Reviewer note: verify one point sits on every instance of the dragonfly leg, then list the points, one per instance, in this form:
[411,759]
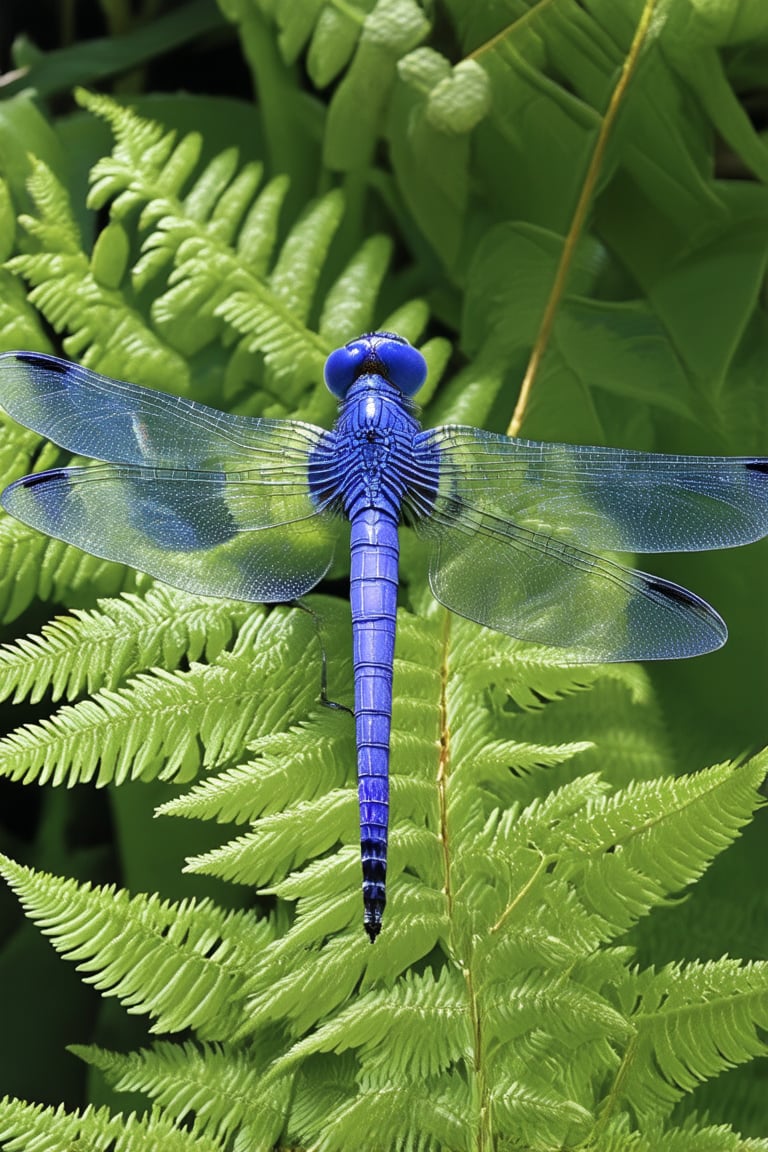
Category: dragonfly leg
[317,619]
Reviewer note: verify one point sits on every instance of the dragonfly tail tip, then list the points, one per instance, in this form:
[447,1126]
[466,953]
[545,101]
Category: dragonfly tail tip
[372,922]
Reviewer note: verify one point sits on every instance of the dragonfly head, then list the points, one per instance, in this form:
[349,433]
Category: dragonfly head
[376,354]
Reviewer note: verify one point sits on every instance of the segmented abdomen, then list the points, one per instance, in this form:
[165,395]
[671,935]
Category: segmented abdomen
[373,597]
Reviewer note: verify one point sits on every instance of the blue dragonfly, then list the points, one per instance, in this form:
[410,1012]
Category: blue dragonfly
[251,509]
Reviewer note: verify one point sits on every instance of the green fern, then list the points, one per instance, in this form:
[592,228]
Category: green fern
[100,648]
[514,906]
[215,244]
[223,1088]
[220,240]
[73,295]
[166,724]
[55,1130]
[690,1137]
[692,1021]
[181,963]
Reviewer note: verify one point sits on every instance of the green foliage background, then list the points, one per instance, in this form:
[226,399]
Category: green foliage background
[573,190]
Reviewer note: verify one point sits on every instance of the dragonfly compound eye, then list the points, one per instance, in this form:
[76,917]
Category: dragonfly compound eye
[344,366]
[400,363]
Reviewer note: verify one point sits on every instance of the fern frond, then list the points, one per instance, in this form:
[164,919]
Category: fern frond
[543,1119]
[333,978]
[215,240]
[657,836]
[148,170]
[31,1126]
[271,316]
[304,763]
[692,1136]
[692,1021]
[539,872]
[225,1089]
[329,975]
[414,1029]
[326,888]
[181,963]
[20,325]
[522,1009]
[327,901]
[94,649]
[105,330]
[7,221]
[220,235]
[280,841]
[561,1007]
[349,304]
[503,891]
[385,1114]
[166,724]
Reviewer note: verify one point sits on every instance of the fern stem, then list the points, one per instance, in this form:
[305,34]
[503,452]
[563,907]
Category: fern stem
[483,1135]
[609,1104]
[526,888]
[444,765]
[579,218]
[515,25]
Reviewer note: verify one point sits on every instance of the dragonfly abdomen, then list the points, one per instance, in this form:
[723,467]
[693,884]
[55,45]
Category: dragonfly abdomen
[373,598]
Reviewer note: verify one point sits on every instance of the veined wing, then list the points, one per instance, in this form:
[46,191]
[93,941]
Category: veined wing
[110,420]
[215,504]
[546,591]
[215,534]
[604,498]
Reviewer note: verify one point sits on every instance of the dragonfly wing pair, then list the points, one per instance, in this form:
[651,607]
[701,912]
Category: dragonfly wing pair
[514,523]
[212,503]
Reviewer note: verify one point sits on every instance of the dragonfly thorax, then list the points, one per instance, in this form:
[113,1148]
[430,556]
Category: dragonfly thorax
[373,446]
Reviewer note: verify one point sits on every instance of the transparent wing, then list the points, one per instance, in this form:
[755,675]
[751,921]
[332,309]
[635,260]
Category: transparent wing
[216,504]
[107,419]
[213,534]
[604,498]
[545,591]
